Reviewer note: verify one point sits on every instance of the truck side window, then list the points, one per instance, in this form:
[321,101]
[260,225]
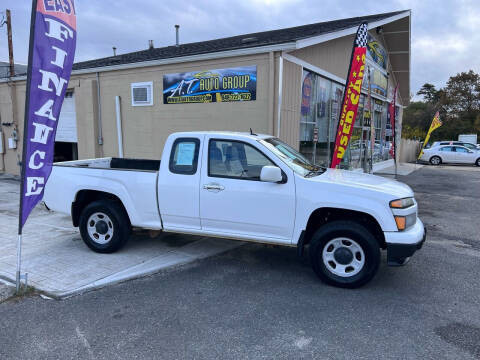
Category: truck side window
[184,156]
[235,159]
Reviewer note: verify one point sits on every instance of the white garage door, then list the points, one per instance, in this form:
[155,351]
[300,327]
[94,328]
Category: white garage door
[67,122]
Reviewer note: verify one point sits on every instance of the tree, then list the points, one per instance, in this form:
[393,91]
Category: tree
[429,93]
[463,93]
[458,103]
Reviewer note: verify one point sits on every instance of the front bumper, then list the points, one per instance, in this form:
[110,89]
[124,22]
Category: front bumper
[402,245]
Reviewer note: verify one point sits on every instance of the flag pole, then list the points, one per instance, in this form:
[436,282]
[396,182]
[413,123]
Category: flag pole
[372,120]
[24,153]
[395,142]
[394,129]
[357,58]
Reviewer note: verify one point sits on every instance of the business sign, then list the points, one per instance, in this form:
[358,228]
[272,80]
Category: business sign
[376,52]
[378,80]
[52,49]
[351,98]
[218,85]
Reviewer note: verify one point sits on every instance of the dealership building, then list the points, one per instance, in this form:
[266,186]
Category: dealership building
[287,82]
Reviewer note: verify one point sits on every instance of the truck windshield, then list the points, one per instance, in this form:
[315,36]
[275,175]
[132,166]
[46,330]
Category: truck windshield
[294,160]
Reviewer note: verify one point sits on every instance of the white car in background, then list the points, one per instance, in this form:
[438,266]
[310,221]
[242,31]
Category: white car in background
[469,146]
[456,154]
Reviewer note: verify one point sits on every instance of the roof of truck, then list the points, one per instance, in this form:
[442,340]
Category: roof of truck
[254,136]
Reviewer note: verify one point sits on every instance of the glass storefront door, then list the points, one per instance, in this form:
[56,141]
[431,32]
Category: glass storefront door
[320,109]
[315,118]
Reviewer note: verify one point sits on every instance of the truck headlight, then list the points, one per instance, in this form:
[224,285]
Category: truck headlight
[402,203]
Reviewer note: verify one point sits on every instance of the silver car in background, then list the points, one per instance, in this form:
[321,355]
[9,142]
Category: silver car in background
[451,154]
[469,146]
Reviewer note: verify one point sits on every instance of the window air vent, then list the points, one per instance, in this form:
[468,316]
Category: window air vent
[142,94]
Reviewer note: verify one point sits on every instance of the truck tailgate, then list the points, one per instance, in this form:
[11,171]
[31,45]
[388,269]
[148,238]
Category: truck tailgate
[136,189]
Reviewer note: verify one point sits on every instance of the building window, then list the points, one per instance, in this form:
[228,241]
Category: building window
[142,94]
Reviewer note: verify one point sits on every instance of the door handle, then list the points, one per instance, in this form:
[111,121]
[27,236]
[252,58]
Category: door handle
[213,187]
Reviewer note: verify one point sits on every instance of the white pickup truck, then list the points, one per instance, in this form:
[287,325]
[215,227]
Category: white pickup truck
[247,187]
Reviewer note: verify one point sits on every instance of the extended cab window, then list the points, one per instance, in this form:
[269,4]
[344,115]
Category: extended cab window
[184,156]
[234,159]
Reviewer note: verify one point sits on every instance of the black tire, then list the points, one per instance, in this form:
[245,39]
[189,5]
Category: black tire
[435,160]
[359,234]
[118,223]
[477,162]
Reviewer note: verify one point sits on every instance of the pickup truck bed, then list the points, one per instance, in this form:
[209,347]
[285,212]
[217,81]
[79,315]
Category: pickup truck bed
[133,181]
[115,163]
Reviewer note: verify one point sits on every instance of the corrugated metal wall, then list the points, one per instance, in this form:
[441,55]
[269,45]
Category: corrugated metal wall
[291,100]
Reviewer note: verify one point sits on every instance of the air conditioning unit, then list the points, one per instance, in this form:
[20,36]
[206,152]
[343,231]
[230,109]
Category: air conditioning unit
[142,93]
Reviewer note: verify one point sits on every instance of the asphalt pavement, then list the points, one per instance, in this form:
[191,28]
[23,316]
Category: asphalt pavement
[263,302]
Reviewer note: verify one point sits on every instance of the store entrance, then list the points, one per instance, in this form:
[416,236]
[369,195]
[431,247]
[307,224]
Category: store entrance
[320,110]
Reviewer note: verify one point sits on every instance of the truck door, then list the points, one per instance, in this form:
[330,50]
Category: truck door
[178,183]
[234,201]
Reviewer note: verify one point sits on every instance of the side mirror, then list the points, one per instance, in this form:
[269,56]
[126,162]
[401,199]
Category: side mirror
[271,174]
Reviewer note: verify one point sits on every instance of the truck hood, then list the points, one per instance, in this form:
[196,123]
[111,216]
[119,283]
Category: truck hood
[362,181]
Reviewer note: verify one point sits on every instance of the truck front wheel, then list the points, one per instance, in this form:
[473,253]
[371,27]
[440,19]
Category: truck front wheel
[104,226]
[344,254]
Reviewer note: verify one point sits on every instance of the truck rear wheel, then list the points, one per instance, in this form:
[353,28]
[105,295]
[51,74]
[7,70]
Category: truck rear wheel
[104,226]
[344,254]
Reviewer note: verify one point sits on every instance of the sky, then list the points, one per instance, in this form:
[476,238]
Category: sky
[445,33]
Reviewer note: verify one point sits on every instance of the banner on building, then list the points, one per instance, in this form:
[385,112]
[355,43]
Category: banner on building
[377,82]
[351,96]
[218,85]
[436,123]
[376,52]
[392,113]
[52,50]
[306,94]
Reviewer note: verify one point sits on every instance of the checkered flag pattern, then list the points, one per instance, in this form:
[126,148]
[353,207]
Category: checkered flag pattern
[362,33]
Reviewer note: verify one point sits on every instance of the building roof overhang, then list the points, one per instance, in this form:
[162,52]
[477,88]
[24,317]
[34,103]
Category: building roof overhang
[395,26]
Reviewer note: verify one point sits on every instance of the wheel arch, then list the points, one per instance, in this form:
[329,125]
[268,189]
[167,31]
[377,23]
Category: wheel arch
[87,196]
[325,215]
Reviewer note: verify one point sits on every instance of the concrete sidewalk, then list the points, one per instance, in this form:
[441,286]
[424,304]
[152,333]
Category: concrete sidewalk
[6,291]
[60,264]
[403,169]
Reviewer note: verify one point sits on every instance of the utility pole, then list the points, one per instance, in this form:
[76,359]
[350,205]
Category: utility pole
[10,43]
